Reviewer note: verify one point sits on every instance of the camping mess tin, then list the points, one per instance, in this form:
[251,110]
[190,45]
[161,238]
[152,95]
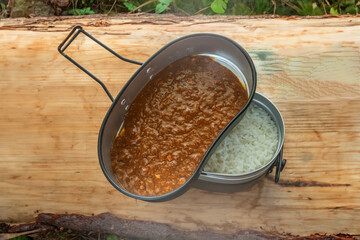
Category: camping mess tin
[224,51]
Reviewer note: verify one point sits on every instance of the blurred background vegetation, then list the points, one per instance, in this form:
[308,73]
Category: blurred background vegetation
[190,7]
[226,7]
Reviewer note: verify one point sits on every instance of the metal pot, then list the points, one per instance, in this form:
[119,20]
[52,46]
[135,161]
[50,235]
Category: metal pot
[238,182]
[224,50]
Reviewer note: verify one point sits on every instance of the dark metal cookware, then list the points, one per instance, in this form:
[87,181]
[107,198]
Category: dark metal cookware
[224,50]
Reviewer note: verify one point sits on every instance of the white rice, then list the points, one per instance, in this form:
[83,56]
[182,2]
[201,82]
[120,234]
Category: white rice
[249,146]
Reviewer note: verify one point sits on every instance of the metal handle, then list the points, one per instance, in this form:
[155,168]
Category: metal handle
[66,43]
[279,164]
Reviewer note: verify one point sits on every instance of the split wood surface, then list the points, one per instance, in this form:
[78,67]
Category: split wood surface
[51,112]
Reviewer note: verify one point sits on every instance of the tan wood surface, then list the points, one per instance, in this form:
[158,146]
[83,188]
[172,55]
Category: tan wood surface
[51,112]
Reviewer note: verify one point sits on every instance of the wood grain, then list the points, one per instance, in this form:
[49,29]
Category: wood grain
[51,112]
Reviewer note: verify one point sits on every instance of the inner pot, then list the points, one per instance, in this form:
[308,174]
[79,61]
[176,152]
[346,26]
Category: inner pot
[222,49]
[221,182]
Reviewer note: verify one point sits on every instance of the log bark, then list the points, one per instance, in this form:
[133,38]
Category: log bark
[137,229]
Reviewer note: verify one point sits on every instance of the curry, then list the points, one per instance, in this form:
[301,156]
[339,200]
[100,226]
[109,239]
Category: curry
[172,122]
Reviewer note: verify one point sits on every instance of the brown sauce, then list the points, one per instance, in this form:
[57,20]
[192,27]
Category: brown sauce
[172,122]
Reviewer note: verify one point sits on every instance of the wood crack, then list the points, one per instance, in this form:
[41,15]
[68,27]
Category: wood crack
[302,183]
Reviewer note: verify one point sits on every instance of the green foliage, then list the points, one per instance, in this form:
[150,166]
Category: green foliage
[334,11]
[241,9]
[83,11]
[249,7]
[112,237]
[352,9]
[262,7]
[219,6]
[192,7]
[84,2]
[348,6]
[308,8]
[211,7]
[129,6]
[2,10]
[162,6]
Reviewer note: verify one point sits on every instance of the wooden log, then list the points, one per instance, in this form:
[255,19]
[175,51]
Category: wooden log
[51,112]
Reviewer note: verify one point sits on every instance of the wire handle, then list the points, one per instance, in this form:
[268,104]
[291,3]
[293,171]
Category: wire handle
[66,43]
[279,164]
